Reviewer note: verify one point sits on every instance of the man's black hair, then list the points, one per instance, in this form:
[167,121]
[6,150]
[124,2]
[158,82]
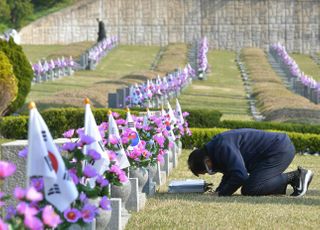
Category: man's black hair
[196,161]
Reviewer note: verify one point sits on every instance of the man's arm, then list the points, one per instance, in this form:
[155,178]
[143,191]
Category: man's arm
[233,165]
[223,181]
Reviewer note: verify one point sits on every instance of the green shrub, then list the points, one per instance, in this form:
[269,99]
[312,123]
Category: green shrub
[21,69]
[8,83]
[302,142]
[58,121]
[289,127]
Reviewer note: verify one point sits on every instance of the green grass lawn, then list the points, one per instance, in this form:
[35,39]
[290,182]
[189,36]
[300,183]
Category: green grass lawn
[36,52]
[307,65]
[203,211]
[108,76]
[223,90]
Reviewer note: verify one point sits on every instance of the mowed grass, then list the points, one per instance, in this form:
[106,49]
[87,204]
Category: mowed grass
[109,75]
[37,52]
[307,65]
[223,90]
[203,211]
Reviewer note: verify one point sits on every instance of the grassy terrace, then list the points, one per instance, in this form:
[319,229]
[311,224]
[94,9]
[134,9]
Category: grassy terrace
[307,65]
[110,74]
[275,101]
[36,52]
[223,90]
[202,211]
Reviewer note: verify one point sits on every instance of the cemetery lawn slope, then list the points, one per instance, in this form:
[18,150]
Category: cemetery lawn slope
[37,52]
[222,90]
[70,91]
[275,101]
[203,211]
[307,65]
[173,57]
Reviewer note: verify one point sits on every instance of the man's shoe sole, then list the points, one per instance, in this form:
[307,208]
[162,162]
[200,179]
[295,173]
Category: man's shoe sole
[308,180]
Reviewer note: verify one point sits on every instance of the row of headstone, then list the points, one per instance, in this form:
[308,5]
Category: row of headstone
[152,93]
[133,200]
[257,116]
[54,69]
[297,81]
[91,57]
[202,61]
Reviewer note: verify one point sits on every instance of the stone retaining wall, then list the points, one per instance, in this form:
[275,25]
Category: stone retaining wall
[228,24]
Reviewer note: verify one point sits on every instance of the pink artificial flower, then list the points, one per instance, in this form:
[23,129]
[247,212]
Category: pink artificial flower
[89,171]
[69,146]
[6,169]
[73,175]
[49,217]
[185,114]
[34,195]
[105,203]
[32,222]
[123,178]
[88,213]
[19,193]
[24,209]
[68,134]
[115,115]
[160,158]
[103,126]
[3,225]
[23,153]
[113,140]
[72,215]
[121,122]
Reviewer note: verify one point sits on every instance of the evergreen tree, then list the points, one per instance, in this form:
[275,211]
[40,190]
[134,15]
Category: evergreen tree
[20,9]
[4,11]
[21,69]
[8,83]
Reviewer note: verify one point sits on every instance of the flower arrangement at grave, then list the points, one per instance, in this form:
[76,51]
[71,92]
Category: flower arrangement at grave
[100,49]
[31,211]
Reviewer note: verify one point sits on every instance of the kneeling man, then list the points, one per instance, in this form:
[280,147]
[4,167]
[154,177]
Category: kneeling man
[252,159]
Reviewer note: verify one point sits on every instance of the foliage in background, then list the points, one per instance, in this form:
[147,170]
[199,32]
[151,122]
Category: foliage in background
[302,141]
[17,13]
[59,120]
[21,69]
[8,83]
[275,101]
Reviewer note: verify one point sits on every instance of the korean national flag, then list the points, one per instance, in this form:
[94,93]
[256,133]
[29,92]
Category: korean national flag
[44,159]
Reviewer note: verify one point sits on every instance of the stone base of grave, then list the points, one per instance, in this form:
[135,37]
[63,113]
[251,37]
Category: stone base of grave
[91,226]
[149,188]
[136,200]
[167,166]
[160,177]
[142,200]
[119,216]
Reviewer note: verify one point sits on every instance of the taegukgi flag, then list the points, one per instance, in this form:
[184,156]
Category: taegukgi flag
[179,115]
[134,136]
[44,159]
[91,129]
[172,117]
[113,132]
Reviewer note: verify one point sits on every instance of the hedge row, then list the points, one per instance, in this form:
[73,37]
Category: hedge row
[302,142]
[60,120]
[288,127]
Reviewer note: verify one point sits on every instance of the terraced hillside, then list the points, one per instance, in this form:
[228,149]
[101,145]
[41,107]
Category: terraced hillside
[222,90]
[275,101]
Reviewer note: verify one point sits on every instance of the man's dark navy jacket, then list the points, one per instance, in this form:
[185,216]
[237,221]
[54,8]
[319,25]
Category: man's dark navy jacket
[235,153]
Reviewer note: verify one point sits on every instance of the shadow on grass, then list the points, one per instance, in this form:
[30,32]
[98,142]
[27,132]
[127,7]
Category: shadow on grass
[311,199]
